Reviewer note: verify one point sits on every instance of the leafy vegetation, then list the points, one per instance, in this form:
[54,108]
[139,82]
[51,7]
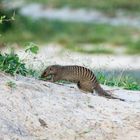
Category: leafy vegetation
[4,18]
[12,64]
[31,47]
[127,82]
[11,84]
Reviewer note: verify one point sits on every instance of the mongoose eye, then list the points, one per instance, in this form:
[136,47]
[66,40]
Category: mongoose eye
[45,73]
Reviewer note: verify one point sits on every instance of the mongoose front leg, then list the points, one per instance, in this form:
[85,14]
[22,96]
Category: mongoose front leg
[85,86]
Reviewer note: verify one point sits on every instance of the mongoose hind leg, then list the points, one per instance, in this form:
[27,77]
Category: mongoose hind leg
[85,86]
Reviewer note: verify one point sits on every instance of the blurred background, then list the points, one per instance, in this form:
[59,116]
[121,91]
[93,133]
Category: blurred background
[105,30]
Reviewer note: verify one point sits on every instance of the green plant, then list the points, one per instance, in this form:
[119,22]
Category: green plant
[11,84]
[12,64]
[5,19]
[32,47]
[127,82]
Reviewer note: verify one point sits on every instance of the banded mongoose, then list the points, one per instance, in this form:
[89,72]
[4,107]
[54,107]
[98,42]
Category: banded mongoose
[84,77]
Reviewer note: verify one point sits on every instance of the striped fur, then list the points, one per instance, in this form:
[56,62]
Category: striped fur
[84,77]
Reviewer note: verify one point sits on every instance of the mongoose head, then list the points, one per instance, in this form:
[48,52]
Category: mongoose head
[51,70]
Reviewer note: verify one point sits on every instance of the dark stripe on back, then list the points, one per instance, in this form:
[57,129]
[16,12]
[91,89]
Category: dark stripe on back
[82,69]
[94,80]
[79,72]
[90,74]
[75,70]
[86,72]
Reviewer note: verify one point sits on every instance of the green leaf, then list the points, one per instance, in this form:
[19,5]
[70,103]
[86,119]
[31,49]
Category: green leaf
[13,17]
[0,21]
[2,18]
[32,48]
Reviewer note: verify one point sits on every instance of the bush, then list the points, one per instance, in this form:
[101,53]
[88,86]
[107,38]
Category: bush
[12,64]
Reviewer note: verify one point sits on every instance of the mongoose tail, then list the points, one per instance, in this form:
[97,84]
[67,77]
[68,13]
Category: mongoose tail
[102,92]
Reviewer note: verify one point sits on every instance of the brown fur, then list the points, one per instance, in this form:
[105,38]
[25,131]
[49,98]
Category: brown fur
[84,77]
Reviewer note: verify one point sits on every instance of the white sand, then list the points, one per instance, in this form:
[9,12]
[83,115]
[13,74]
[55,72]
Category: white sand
[68,113]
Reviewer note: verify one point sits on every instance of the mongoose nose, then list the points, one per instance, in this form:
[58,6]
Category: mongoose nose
[42,75]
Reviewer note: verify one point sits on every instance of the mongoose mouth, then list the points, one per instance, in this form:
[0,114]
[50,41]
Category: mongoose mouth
[44,74]
[49,77]
[42,77]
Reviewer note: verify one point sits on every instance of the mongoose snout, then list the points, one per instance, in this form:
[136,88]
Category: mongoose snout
[51,70]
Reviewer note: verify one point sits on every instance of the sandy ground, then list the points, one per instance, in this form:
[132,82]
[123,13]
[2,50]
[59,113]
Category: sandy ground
[65,112]
[38,110]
